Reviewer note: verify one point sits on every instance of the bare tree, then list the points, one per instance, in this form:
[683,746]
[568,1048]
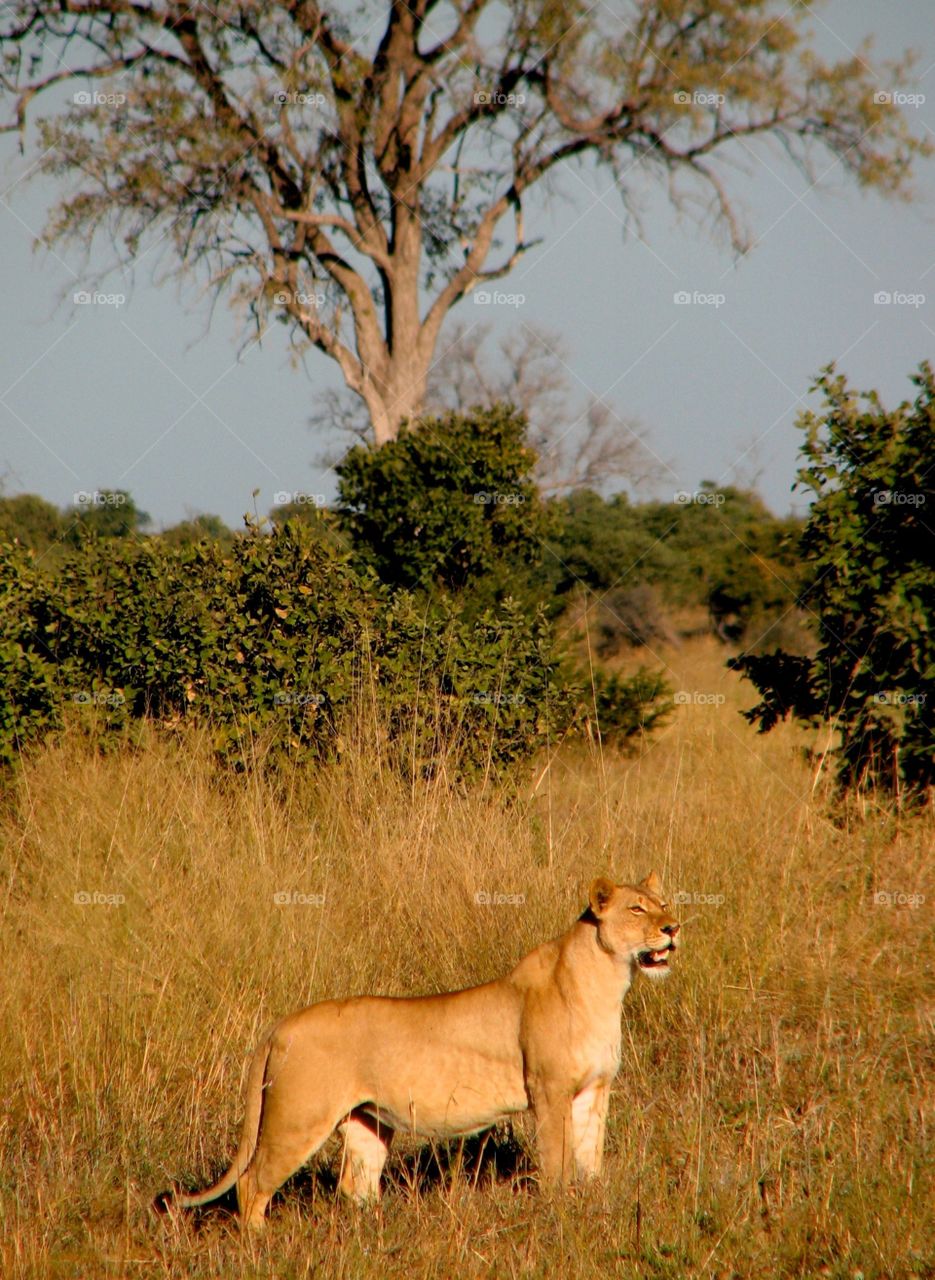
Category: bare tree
[581,441]
[355,171]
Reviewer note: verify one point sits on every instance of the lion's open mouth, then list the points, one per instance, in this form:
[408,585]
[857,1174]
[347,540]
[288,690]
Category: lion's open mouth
[654,959]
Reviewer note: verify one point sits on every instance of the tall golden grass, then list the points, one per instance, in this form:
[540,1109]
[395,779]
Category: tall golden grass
[770,1115]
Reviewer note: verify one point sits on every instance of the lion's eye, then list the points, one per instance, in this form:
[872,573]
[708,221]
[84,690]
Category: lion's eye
[639,910]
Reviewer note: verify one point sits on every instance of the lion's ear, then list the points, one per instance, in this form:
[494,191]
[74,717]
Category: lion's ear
[600,894]
[653,884]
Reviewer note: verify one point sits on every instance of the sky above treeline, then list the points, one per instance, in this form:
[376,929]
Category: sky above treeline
[153,395]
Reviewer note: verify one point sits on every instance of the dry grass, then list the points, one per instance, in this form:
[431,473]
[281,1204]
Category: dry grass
[770,1116]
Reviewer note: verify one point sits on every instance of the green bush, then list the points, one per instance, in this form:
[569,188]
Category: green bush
[275,641]
[451,503]
[625,707]
[718,549]
[197,529]
[29,519]
[282,647]
[30,693]
[870,547]
[104,513]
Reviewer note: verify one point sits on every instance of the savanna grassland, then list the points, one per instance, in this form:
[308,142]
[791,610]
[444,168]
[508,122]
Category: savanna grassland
[771,1114]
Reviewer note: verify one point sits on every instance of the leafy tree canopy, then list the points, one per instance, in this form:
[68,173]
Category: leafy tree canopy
[357,170]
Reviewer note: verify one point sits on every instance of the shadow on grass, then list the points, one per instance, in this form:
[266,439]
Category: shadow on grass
[486,1158]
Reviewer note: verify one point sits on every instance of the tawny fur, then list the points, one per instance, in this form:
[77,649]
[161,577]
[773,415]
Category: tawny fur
[545,1036]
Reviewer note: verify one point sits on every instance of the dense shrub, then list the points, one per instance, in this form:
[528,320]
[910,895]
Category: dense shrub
[276,642]
[601,542]
[721,550]
[30,691]
[104,513]
[197,529]
[870,545]
[29,519]
[622,706]
[450,503]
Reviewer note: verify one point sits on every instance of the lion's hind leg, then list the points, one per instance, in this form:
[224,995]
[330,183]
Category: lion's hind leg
[366,1146]
[277,1158]
[302,1106]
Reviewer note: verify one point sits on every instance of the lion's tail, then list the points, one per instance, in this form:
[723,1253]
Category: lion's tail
[248,1138]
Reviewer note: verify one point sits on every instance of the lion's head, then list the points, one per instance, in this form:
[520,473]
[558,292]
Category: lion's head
[634,922]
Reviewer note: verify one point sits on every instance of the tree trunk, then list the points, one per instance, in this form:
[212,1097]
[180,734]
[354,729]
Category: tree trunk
[397,391]
[396,397]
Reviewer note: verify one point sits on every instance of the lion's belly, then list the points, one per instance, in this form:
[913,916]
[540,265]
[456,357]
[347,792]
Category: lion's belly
[446,1081]
[447,1094]
[431,1066]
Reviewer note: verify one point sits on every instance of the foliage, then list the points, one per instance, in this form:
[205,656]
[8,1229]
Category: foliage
[195,529]
[624,706]
[718,548]
[30,694]
[274,641]
[30,520]
[102,513]
[322,522]
[105,513]
[450,503]
[871,550]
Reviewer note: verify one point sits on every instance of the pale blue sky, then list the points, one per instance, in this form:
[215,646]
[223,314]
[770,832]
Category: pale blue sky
[145,397]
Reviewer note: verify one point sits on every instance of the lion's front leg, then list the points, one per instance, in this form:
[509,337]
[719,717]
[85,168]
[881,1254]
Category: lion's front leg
[589,1122]
[554,1135]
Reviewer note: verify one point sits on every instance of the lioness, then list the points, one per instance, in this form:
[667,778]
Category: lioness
[545,1036]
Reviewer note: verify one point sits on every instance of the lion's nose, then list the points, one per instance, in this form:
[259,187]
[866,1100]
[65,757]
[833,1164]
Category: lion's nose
[671,929]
